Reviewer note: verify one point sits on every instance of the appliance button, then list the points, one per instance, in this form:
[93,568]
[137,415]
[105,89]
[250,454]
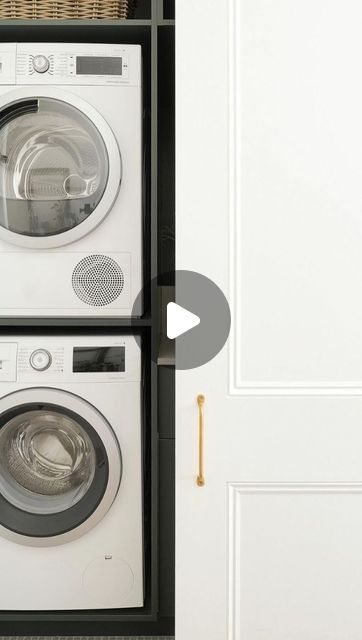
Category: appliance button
[40,359]
[41,64]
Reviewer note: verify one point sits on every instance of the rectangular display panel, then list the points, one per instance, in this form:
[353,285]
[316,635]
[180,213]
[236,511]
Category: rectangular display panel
[98,359]
[99,66]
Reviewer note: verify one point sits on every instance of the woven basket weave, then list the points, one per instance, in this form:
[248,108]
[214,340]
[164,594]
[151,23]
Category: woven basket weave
[66,9]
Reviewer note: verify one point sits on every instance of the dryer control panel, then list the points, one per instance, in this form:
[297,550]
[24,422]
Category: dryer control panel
[67,64]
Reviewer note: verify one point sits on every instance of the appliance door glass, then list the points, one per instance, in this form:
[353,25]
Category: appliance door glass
[54,470]
[53,167]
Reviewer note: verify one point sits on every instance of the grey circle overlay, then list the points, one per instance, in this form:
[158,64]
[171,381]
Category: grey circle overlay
[200,295]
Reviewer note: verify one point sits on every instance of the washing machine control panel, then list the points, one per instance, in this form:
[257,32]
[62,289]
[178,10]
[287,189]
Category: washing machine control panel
[73,359]
[59,360]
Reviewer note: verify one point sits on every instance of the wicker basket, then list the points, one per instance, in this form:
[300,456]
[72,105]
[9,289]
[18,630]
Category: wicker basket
[66,9]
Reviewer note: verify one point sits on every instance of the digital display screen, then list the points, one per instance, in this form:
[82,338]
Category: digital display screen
[98,359]
[99,66]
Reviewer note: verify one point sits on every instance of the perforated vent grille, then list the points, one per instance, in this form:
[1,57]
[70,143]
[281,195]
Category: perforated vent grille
[97,280]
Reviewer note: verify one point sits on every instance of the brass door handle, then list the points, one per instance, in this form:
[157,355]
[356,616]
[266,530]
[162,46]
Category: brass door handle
[201,477]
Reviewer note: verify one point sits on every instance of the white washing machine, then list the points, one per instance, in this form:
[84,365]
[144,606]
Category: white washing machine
[70,179]
[70,473]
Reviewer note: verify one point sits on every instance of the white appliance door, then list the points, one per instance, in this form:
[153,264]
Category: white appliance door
[60,168]
[269,206]
[60,466]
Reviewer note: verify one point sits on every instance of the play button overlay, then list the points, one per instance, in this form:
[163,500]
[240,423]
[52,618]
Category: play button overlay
[194,318]
[203,299]
[179,320]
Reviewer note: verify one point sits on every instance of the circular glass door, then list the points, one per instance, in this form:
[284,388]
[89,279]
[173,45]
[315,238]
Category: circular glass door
[47,461]
[54,171]
[54,469]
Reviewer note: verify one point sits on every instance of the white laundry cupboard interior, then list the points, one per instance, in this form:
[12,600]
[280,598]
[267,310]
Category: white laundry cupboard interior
[53,328]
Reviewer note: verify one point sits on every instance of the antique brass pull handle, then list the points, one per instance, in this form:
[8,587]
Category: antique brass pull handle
[201,476]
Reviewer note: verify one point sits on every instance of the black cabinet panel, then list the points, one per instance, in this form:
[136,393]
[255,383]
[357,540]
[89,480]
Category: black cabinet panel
[168,9]
[166,402]
[167,527]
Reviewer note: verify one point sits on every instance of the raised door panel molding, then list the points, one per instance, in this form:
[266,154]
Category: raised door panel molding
[294,555]
[295,161]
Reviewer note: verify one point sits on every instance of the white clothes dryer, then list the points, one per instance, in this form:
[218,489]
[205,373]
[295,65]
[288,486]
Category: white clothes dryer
[71,515]
[70,179]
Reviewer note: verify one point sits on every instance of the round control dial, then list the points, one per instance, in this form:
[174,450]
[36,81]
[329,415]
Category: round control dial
[40,359]
[41,64]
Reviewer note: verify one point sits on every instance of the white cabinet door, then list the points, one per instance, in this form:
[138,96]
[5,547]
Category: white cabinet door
[269,206]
